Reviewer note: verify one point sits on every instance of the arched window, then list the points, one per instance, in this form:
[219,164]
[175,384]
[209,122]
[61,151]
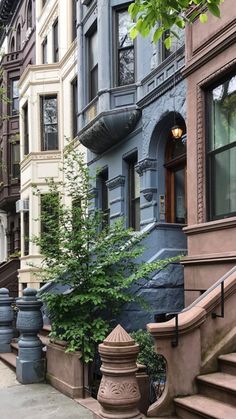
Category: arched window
[175,164]
[12,46]
[29,15]
[18,38]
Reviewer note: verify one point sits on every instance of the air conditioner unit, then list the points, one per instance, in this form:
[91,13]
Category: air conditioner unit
[22,205]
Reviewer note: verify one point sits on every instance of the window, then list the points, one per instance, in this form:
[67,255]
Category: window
[49,123]
[221,150]
[74,19]
[14,96]
[93,64]
[44,51]
[29,15]
[18,38]
[104,203]
[26,129]
[175,44]
[175,164]
[15,160]
[26,232]
[74,107]
[12,46]
[133,194]
[125,49]
[55,42]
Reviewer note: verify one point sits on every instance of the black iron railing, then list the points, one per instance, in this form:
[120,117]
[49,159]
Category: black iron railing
[220,283]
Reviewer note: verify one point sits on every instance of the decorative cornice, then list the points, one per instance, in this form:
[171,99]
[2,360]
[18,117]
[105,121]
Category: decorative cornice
[145,164]
[204,58]
[115,182]
[162,89]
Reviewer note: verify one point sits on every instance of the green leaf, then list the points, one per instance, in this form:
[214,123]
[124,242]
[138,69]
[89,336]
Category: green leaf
[133,33]
[214,9]
[157,35]
[168,42]
[203,18]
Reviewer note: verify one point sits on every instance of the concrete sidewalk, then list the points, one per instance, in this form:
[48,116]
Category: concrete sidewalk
[35,401]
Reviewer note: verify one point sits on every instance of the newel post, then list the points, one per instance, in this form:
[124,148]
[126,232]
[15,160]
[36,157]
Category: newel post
[6,319]
[118,393]
[30,366]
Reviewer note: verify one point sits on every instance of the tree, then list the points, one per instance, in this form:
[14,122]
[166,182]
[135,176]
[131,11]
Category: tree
[97,265]
[160,16]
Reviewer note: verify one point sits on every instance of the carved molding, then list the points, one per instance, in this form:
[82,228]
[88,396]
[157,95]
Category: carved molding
[123,390]
[115,182]
[145,164]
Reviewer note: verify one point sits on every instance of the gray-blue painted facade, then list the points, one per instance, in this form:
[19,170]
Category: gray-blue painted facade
[148,106]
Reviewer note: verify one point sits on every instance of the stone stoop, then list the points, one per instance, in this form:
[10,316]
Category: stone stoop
[217,394]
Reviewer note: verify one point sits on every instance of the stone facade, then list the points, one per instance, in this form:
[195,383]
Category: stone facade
[158,94]
[53,75]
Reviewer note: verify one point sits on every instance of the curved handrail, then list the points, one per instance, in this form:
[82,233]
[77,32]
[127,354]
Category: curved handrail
[218,283]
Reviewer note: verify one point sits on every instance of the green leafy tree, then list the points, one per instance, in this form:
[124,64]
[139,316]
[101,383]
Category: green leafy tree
[97,265]
[160,16]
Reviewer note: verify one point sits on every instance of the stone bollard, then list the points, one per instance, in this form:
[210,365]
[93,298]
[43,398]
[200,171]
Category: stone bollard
[30,366]
[6,319]
[118,393]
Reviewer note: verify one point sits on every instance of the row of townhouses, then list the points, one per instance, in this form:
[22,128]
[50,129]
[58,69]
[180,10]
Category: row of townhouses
[71,71]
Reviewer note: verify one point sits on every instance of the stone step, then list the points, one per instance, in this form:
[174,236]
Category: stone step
[219,386]
[228,363]
[198,406]
[14,346]
[9,359]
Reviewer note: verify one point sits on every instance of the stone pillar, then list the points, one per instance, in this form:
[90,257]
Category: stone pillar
[147,171]
[6,319]
[118,393]
[30,366]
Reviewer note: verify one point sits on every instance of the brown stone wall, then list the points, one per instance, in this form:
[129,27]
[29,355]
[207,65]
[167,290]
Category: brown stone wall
[210,55]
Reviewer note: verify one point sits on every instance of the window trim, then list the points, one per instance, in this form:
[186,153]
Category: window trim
[89,36]
[209,169]
[42,125]
[45,49]
[13,111]
[25,110]
[131,161]
[55,34]
[116,10]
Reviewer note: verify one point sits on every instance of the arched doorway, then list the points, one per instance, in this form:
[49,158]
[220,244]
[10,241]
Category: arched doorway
[176,175]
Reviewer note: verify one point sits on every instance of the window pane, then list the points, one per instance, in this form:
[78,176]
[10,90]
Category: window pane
[49,123]
[224,182]
[126,66]
[50,110]
[180,210]
[223,129]
[93,50]
[124,22]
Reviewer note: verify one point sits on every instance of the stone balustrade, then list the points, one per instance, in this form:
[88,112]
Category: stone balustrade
[30,365]
[6,319]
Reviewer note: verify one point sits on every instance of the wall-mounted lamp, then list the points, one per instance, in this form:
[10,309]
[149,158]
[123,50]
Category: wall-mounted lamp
[177,132]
